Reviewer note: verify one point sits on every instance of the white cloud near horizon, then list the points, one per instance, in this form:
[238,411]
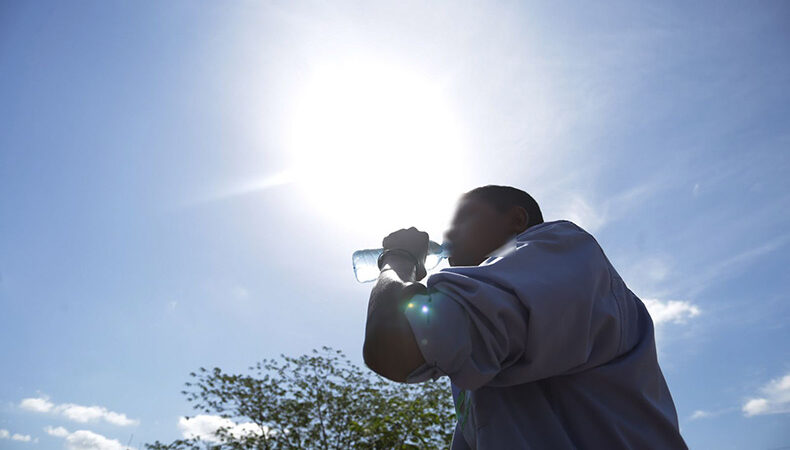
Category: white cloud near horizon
[37,404]
[56,431]
[205,426]
[85,440]
[674,311]
[77,413]
[774,398]
[5,434]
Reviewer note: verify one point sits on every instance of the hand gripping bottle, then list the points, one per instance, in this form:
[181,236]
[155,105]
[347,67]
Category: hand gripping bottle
[366,267]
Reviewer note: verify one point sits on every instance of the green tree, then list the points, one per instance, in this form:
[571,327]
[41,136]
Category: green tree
[318,401]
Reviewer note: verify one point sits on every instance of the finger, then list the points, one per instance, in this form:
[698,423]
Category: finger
[390,237]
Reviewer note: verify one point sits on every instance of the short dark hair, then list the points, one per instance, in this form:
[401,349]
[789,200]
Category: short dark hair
[505,197]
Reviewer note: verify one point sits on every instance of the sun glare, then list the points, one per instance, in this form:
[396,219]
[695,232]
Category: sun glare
[375,146]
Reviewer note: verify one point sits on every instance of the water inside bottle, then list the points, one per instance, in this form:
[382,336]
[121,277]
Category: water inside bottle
[365,262]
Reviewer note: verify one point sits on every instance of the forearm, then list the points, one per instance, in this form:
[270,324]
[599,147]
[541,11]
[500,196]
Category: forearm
[398,273]
[390,348]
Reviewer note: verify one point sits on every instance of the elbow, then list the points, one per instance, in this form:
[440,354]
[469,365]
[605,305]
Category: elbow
[390,349]
[372,355]
[368,356]
[380,358]
[392,357]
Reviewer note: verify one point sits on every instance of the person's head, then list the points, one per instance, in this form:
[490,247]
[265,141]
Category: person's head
[486,218]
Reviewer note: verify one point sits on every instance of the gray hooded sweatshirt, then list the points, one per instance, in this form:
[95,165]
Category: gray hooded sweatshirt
[546,348]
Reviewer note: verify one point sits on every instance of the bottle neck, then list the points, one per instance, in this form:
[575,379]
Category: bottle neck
[444,249]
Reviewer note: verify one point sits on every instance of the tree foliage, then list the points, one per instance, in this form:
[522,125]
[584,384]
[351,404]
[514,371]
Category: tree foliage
[317,401]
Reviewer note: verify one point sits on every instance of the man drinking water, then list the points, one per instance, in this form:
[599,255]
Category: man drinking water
[544,344]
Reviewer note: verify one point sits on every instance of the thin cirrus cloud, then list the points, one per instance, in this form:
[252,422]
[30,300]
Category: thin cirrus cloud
[702,414]
[77,413]
[594,215]
[247,187]
[85,440]
[774,398]
[5,434]
[735,264]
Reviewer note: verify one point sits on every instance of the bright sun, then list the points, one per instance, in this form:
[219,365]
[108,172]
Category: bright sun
[363,132]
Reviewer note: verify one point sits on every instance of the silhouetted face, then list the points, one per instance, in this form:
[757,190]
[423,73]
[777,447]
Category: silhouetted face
[476,231]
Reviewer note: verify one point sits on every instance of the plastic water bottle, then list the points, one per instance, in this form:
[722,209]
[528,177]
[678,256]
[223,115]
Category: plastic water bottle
[366,267]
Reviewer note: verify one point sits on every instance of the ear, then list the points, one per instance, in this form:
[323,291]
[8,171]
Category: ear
[519,219]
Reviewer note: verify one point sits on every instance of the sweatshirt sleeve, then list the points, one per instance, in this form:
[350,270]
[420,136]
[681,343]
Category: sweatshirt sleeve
[546,309]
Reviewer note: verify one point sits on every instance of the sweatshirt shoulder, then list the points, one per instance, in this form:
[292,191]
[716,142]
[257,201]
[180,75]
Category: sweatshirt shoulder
[559,232]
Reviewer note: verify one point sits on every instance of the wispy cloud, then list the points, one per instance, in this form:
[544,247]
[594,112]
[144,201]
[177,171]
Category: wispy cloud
[205,427]
[674,311]
[702,414]
[593,215]
[736,263]
[774,398]
[77,413]
[85,440]
[648,274]
[579,211]
[5,434]
[240,292]
[248,187]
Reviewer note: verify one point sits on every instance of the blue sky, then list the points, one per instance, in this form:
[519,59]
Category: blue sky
[182,185]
